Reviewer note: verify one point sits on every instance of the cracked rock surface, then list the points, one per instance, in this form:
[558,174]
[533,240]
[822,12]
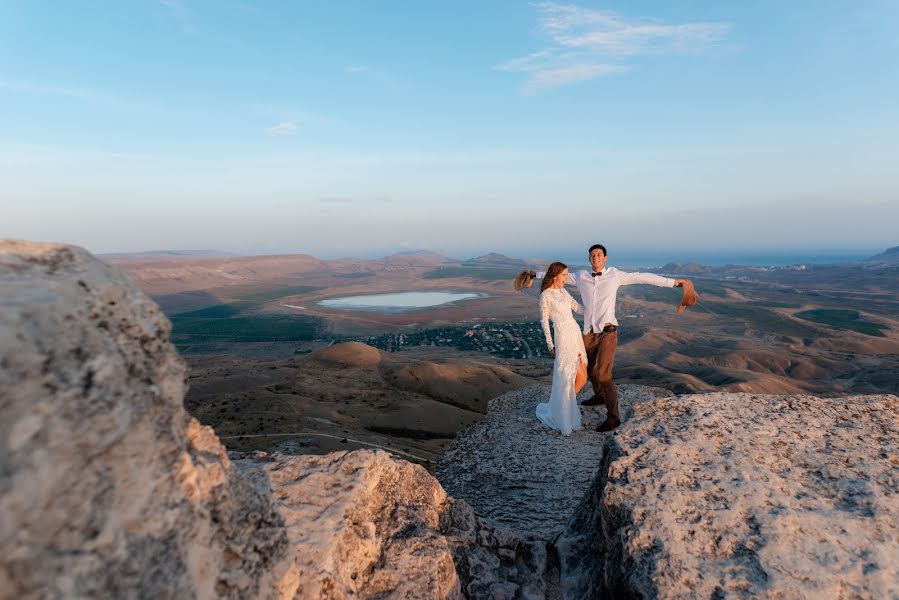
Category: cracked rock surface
[743,496]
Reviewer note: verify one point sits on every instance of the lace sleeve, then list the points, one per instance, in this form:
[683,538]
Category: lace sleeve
[544,319]
[575,306]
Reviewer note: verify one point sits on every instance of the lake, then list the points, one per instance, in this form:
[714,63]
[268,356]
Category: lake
[397,302]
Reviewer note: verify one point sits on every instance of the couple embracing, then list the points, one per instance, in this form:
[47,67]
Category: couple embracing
[580,356]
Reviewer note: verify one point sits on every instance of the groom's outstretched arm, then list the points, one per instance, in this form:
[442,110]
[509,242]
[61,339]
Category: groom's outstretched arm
[572,280]
[688,298]
[648,279]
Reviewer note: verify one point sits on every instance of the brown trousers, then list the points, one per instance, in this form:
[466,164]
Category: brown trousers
[600,349]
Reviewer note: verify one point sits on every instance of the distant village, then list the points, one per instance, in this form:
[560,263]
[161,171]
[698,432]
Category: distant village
[508,340]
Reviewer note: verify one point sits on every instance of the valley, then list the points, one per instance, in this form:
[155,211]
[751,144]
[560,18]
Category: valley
[273,367]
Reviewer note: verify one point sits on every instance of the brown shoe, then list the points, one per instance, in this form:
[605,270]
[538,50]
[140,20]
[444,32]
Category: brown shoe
[608,425]
[594,401]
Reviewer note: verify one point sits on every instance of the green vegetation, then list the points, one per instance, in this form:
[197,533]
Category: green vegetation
[226,323]
[760,318]
[239,322]
[508,340]
[219,311]
[652,293]
[263,296]
[843,319]
[479,273]
[776,304]
[707,288]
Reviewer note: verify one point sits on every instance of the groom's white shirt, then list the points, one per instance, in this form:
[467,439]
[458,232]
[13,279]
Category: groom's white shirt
[598,294]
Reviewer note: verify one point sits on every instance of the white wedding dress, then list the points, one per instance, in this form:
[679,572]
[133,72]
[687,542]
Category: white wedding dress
[562,411]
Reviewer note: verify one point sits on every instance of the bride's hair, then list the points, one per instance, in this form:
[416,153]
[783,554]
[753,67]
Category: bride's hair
[523,280]
[551,273]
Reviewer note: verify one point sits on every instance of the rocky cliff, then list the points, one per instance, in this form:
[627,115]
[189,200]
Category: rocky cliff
[743,496]
[696,496]
[364,524]
[108,488]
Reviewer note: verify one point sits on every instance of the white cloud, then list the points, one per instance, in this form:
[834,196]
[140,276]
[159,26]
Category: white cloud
[286,128]
[550,77]
[588,43]
[355,69]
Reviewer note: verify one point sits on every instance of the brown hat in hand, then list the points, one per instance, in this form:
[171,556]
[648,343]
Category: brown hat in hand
[689,297]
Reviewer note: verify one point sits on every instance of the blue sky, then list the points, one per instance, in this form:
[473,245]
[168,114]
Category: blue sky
[361,128]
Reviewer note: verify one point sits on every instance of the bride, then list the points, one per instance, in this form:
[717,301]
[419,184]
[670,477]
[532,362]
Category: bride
[570,366]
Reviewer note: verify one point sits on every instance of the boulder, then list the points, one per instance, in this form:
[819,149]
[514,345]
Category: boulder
[365,524]
[108,488]
[742,496]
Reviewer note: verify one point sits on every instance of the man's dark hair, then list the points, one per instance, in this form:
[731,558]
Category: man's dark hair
[597,247]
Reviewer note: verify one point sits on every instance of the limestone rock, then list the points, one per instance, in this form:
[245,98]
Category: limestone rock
[367,525]
[108,488]
[702,496]
[742,496]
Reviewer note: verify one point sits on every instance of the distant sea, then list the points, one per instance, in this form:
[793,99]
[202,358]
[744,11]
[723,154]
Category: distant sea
[626,260]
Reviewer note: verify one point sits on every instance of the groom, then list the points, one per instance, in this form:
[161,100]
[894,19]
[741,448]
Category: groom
[599,291]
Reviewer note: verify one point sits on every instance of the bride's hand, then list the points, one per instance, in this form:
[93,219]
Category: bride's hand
[552,351]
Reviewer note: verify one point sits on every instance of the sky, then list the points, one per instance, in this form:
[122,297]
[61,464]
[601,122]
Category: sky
[361,128]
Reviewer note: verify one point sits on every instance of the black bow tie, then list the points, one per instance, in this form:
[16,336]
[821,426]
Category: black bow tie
[597,274]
